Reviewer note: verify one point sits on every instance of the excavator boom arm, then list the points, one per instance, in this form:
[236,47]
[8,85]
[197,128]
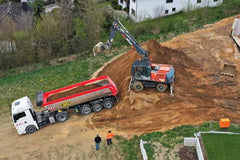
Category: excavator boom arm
[117,26]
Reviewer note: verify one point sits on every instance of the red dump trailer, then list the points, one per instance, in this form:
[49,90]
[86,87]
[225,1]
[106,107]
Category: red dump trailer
[84,97]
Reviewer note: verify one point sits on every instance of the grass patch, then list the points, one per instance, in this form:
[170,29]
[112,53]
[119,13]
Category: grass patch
[168,139]
[222,146]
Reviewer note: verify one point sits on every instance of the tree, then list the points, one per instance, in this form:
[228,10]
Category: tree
[7,30]
[65,18]
[48,37]
[2,1]
[91,19]
[38,8]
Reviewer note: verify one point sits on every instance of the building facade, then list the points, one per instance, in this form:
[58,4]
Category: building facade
[140,10]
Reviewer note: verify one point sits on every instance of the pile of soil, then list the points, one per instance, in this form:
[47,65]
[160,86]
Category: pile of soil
[76,90]
[201,93]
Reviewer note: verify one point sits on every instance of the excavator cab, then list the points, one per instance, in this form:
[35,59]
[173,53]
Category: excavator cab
[141,70]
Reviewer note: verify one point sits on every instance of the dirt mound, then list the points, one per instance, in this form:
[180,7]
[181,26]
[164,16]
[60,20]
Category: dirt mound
[201,93]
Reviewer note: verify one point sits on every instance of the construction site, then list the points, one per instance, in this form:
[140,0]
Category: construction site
[201,91]
[206,87]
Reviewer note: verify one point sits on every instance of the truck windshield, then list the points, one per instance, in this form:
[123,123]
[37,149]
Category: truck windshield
[18,116]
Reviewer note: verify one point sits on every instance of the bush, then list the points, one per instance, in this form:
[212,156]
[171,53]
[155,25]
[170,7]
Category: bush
[114,4]
[107,22]
[125,9]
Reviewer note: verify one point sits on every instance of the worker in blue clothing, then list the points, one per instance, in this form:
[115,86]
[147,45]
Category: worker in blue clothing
[97,141]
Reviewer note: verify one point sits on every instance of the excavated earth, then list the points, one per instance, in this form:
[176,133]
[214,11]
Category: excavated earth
[200,94]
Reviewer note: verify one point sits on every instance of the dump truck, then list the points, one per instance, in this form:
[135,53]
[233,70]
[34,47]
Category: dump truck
[84,97]
[144,72]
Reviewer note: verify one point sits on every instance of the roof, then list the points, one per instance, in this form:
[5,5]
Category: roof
[141,63]
[20,105]
[22,19]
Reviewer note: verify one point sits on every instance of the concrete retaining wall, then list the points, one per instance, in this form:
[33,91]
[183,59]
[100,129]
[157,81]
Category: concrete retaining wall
[194,142]
[143,151]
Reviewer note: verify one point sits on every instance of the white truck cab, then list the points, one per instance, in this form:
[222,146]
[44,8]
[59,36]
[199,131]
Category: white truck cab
[24,116]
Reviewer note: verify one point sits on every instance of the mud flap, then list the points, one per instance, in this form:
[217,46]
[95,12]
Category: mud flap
[229,70]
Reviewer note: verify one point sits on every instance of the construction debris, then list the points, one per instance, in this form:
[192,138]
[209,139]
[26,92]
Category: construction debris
[229,70]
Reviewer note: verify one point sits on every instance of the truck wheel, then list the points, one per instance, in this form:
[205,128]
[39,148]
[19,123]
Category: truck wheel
[138,86]
[108,103]
[161,87]
[62,116]
[31,129]
[97,107]
[85,109]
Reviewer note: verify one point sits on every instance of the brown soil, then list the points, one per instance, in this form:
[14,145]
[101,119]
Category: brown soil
[73,91]
[201,94]
[188,153]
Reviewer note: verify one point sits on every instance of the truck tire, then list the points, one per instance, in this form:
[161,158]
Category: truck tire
[97,107]
[31,129]
[161,87]
[85,109]
[62,116]
[108,103]
[138,86]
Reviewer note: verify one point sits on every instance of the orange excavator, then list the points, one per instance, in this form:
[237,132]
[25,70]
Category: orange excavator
[144,72]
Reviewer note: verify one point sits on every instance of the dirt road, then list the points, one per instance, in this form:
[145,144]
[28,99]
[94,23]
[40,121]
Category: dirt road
[200,94]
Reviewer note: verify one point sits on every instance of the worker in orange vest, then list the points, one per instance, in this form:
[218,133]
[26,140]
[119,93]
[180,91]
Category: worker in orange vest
[109,137]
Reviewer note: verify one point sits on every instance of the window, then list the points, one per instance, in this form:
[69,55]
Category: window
[121,1]
[199,1]
[169,1]
[215,0]
[173,9]
[133,12]
[17,103]
[18,116]
[166,11]
[134,1]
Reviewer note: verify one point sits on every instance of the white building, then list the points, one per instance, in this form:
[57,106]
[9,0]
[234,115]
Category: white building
[140,10]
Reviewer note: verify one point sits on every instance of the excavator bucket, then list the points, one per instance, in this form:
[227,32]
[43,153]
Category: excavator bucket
[98,48]
[229,70]
[236,31]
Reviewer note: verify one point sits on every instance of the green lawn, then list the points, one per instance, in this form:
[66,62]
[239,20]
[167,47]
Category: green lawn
[222,146]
